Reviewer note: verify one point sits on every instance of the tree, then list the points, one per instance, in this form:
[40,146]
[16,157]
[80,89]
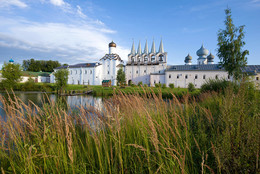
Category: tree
[61,78]
[191,87]
[120,77]
[230,43]
[40,65]
[11,72]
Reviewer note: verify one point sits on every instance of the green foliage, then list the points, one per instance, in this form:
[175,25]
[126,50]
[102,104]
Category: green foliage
[158,85]
[40,65]
[133,85]
[145,85]
[120,77]
[217,85]
[171,85]
[140,84]
[61,78]
[191,87]
[163,86]
[29,85]
[12,73]
[230,43]
[135,134]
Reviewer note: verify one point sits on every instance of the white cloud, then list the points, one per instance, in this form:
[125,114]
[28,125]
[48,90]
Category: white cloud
[69,43]
[8,3]
[80,13]
[57,2]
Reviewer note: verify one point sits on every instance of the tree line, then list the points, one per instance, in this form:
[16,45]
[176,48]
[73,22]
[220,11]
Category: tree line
[40,65]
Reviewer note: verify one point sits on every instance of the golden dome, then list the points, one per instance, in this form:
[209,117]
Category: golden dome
[112,44]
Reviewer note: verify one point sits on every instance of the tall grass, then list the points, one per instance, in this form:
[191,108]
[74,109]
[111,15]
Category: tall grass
[134,134]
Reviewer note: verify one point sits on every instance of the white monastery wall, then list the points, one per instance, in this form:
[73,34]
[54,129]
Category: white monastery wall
[183,78]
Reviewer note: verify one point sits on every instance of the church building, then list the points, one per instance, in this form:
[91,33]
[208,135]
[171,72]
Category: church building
[95,73]
[151,68]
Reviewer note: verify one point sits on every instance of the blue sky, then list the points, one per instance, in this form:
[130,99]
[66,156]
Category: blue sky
[74,31]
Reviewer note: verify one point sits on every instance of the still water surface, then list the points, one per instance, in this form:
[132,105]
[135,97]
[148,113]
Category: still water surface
[37,98]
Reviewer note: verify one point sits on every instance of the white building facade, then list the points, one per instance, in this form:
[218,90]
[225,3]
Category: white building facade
[142,64]
[151,68]
[94,73]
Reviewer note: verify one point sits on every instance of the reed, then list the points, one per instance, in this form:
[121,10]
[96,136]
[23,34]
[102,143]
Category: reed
[134,133]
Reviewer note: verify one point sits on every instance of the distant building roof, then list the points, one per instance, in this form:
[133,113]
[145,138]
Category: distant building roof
[11,60]
[252,69]
[80,65]
[35,74]
[112,56]
[210,67]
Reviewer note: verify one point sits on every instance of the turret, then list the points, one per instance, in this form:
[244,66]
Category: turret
[188,60]
[202,53]
[210,59]
[112,48]
[139,50]
[146,48]
[153,48]
[133,49]
[161,50]
[11,61]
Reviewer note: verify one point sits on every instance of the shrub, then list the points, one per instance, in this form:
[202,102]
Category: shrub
[217,85]
[171,85]
[145,85]
[140,84]
[158,85]
[133,85]
[191,87]
[163,86]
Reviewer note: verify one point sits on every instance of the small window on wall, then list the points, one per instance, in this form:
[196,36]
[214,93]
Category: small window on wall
[216,77]
[178,76]
[170,76]
[86,71]
[204,76]
[154,81]
[136,72]
[107,72]
[196,76]
[257,78]
[228,76]
[186,76]
[144,71]
[90,71]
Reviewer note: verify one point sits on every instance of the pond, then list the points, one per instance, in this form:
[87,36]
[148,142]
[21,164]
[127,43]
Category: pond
[38,97]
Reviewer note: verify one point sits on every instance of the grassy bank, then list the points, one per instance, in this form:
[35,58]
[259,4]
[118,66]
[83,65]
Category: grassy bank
[104,91]
[135,134]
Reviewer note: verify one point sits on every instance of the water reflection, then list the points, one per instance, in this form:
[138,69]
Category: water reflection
[39,98]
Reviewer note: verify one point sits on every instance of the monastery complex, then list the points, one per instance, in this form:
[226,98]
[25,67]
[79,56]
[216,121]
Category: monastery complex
[150,67]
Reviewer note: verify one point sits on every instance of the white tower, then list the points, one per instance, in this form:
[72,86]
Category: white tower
[202,53]
[112,48]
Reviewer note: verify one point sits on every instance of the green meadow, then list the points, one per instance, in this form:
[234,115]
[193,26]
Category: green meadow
[138,132]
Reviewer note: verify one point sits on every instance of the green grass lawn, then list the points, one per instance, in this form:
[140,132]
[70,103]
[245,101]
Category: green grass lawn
[106,91]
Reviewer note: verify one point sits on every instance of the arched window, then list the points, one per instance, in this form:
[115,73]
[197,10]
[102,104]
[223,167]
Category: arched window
[161,58]
[132,59]
[153,58]
[139,59]
[145,58]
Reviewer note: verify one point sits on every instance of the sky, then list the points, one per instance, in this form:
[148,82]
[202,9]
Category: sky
[78,31]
